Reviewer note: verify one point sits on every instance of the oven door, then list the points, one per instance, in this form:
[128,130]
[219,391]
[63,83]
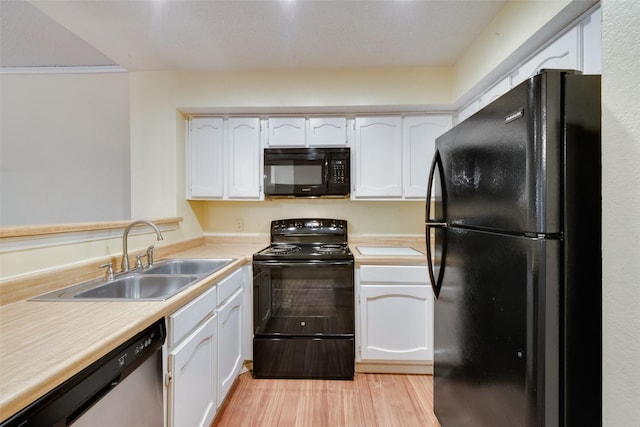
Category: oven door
[304,320]
[295,172]
[303,298]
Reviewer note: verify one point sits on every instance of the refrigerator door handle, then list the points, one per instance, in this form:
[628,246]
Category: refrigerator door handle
[436,224]
[436,256]
[435,251]
[430,188]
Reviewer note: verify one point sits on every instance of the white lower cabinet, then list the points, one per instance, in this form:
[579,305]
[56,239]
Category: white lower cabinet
[193,386]
[230,327]
[204,352]
[191,368]
[395,305]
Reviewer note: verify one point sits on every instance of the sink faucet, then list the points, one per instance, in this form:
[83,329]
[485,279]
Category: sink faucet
[125,254]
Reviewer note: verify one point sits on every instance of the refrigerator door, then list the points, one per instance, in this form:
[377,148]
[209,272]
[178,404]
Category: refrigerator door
[496,337]
[502,167]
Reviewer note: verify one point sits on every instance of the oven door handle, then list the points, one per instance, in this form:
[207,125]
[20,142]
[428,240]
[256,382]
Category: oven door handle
[319,263]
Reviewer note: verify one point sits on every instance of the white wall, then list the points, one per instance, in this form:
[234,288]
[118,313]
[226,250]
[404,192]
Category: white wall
[65,148]
[621,211]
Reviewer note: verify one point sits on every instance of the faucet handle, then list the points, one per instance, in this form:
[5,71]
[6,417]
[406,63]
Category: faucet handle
[109,272]
[139,260]
[150,255]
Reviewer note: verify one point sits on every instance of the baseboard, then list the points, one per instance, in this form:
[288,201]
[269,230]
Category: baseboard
[394,368]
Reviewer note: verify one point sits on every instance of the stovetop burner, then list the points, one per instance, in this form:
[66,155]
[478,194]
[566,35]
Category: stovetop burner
[283,249]
[307,239]
[331,248]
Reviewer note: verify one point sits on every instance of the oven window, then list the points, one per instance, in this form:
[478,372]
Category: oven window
[295,175]
[309,300]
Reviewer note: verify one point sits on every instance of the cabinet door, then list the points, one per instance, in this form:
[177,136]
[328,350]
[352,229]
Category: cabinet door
[592,43]
[327,131]
[378,157]
[395,304]
[286,132]
[205,162]
[192,389]
[495,92]
[468,111]
[395,321]
[245,163]
[419,136]
[560,54]
[230,348]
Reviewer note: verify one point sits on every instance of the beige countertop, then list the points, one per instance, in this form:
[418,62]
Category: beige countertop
[42,344]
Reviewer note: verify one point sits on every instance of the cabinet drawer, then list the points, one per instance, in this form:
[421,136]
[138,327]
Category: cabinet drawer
[189,317]
[394,274]
[229,286]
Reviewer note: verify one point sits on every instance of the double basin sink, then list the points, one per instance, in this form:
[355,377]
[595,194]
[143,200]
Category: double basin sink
[158,282]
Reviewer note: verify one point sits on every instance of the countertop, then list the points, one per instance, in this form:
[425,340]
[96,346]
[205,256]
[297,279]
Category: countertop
[42,344]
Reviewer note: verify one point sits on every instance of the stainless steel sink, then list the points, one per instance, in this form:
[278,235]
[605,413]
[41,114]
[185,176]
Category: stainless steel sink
[161,281]
[139,287]
[131,287]
[199,267]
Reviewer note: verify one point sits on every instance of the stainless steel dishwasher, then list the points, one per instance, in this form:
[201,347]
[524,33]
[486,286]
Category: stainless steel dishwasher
[123,388]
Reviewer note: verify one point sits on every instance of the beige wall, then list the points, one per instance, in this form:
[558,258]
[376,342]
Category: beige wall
[621,211]
[314,88]
[405,217]
[158,142]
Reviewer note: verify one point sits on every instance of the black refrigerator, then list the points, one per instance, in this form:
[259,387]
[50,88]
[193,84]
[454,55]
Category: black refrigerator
[513,227]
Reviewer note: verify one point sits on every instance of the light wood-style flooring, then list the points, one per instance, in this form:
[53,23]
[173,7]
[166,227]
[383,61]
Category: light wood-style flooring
[383,400]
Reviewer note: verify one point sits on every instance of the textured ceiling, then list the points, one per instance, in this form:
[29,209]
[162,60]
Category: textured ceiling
[240,34]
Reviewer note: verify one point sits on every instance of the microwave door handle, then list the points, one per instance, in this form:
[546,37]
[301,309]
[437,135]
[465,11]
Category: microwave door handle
[326,172]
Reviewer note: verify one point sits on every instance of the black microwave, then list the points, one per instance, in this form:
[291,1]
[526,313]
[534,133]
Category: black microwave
[306,172]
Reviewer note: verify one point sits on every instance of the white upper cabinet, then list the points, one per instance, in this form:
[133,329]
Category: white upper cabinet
[378,157]
[286,132]
[468,111]
[224,158]
[205,158]
[327,131]
[419,140]
[303,132]
[496,91]
[579,48]
[592,43]
[563,53]
[244,159]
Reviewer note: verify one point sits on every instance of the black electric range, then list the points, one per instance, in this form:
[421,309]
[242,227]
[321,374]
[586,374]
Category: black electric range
[303,291]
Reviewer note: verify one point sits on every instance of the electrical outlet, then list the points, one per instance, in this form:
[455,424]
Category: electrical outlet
[239,224]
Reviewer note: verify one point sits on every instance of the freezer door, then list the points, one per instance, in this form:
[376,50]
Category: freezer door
[497,343]
[502,167]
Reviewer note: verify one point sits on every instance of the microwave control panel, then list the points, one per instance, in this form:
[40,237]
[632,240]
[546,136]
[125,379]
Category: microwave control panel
[338,174]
